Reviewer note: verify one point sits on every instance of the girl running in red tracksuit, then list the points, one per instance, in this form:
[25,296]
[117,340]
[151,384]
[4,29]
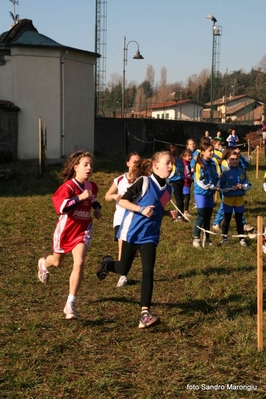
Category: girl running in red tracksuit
[73,202]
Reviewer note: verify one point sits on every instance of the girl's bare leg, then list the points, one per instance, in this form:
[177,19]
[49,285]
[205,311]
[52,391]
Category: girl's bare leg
[76,276]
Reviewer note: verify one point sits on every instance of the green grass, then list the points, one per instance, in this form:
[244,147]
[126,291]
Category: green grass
[206,299]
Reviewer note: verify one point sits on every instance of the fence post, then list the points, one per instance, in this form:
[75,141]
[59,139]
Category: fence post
[44,145]
[257,162]
[40,146]
[259,283]
[248,147]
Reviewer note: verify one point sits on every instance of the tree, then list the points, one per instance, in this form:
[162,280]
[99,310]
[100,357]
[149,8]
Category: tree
[147,88]
[150,75]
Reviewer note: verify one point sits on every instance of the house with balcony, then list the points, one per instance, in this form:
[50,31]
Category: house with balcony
[240,109]
[185,110]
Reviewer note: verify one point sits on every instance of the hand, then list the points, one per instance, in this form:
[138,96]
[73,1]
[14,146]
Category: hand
[86,194]
[97,213]
[173,214]
[117,197]
[148,211]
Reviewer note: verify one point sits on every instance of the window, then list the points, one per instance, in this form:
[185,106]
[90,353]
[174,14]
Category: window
[158,116]
[167,116]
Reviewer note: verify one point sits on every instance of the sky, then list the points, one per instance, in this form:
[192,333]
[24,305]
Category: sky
[172,34]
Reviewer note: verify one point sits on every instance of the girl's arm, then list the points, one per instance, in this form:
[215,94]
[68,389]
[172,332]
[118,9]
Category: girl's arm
[112,194]
[146,211]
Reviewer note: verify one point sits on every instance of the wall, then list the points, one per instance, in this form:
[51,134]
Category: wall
[113,135]
[8,135]
[34,84]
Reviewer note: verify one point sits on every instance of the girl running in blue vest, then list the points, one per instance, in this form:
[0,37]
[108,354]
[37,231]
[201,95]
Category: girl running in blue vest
[144,202]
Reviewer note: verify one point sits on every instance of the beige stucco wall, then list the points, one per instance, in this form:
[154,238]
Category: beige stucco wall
[61,93]
[79,104]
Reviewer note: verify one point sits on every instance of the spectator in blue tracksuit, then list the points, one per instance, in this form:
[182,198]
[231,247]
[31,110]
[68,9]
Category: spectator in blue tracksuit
[177,179]
[243,164]
[192,146]
[205,184]
[232,139]
[234,183]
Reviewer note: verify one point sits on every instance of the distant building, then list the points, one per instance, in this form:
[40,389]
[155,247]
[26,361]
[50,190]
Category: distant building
[185,110]
[47,80]
[241,109]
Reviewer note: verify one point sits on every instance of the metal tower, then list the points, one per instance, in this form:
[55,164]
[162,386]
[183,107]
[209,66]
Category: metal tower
[100,48]
[217,33]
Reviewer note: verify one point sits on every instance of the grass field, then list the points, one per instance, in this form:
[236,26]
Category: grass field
[205,346]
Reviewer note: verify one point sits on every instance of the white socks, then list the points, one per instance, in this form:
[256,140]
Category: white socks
[71,298]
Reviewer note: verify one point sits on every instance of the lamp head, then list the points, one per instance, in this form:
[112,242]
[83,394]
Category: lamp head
[138,56]
[212,18]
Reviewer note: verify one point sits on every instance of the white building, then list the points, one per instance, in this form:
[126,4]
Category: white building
[50,81]
[185,110]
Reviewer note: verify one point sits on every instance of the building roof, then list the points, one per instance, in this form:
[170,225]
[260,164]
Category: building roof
[227,100]
[8,106]
[169,104]
[25,34]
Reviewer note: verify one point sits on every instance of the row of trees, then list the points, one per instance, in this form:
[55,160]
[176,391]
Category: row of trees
[138,98]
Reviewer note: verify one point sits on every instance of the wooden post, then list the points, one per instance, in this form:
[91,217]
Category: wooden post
[257,162]
[260,143]
[40,145]
[260,283]
[44,145]
[248,148]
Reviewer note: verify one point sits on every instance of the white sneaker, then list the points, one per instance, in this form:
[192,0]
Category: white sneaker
[248,227]
[43,275]
[122,281]
[216,228]
[70,311]
[243,243]
[196,243]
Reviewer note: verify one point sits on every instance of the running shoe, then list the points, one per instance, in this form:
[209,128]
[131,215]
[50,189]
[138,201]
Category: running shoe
[122,281]
[148,320]
[43,275]
[70,311]
[196,243]
[248,227]
[101,272]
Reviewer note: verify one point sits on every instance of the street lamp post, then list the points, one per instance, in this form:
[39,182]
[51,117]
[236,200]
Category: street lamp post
[137,56]
[198,77]
[216,31]
[214,20]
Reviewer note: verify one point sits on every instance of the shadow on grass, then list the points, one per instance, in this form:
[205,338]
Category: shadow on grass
[207,272]
[233,305]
